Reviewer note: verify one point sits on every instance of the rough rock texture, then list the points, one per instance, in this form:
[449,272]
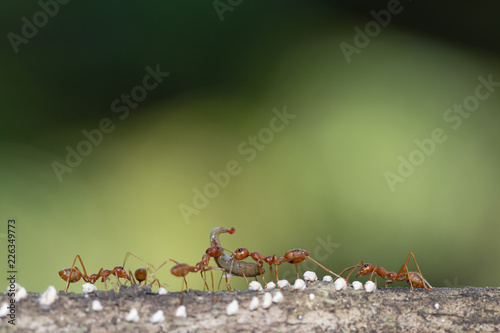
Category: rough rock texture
[385,310]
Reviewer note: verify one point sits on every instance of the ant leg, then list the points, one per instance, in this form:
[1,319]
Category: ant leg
[85,276]
[415,261]
[352,268]
[166,261]
[150,269]
[371,275]
[184,282]
[261,273]
[317,263]
[132,282]
[409,280]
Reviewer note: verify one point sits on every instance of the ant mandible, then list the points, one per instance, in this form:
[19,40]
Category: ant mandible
[413,278]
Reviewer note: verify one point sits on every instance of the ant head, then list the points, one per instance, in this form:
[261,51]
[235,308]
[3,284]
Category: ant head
[241,253]
[365,269]
[213,251]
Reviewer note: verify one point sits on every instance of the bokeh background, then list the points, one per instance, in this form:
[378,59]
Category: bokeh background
[319,184]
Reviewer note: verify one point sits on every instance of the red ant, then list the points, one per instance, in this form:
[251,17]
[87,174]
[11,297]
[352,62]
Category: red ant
[141,274]
[294,256]
[226,262]
[181,269]
[413,278]
[73,274]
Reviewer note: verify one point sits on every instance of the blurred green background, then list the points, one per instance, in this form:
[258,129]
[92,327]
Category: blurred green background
[318,181]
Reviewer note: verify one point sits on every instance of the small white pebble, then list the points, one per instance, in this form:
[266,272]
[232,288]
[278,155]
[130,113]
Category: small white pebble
[181,312]
[16,288]
[312,296]
[299,317]
[4,309]
[356,285]
[299,284]
[254,303]
[96,305]
[283,284]
[436,305]
[88,288]
[267,301]
[49,296]
[232,308]
[340,284]
[21,294]
[255,286]
[157,317]
[327,278]
[370,286]
[271,285]
[442,320]
[133,315]
[278,297]
[162,291]
[310,276]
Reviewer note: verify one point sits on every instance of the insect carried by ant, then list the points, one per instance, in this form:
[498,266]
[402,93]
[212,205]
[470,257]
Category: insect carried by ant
[227,262]
[414,279]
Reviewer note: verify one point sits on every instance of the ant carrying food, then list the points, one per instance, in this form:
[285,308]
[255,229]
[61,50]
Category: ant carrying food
[413,278]
[294,256]
[73,274]
[226,262]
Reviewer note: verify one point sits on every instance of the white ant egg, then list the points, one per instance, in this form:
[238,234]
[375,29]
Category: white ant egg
[340,284]
[356,285]
[310,276]
[232,308]
[370,286]
[299,284]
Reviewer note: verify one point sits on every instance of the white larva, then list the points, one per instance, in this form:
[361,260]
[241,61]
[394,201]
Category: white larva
[299,284]
[327,278]
[356,285]
[255,286]
[283,283]
[310,276]
[133,315]
[49,296]
[278,297]
[254,303]
[340,284]
[232,308]
[96,305]
[370,286]
[157,317]
[88,288]
[267,301]
[271,285]
[181,312]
